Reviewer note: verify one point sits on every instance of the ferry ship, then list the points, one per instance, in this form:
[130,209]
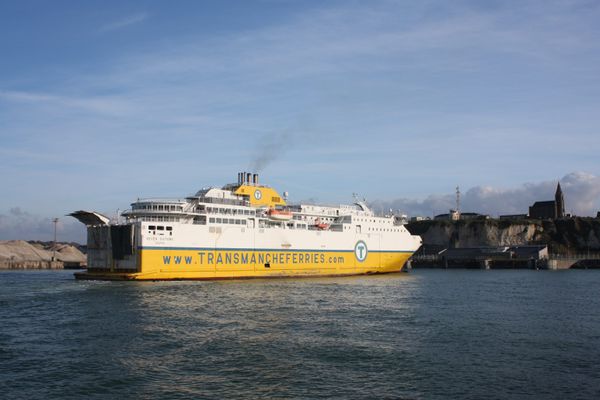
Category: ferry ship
[242,230]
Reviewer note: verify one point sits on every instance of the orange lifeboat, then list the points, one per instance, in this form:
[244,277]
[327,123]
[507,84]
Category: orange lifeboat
[279,215]
[321,225]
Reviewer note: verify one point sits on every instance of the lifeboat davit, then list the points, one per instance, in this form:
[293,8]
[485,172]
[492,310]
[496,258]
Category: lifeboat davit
[279,215]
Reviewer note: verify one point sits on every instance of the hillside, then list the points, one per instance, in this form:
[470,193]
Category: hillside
[20,254]
[562,236]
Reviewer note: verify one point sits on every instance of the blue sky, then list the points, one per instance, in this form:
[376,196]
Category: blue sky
[104,102]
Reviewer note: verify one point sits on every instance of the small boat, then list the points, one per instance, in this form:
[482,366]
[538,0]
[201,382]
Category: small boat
[279,215]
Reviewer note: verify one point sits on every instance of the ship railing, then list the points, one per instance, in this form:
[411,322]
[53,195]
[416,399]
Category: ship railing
[152,212]
[194,210]
[161,200]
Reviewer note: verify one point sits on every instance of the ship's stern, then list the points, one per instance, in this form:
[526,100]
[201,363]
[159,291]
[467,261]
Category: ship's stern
[112,249]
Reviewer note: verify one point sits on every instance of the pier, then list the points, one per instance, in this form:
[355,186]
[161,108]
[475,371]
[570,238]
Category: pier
[518,257]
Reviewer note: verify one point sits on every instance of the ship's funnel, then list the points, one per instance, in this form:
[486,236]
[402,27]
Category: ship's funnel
[255,179]
[248,177]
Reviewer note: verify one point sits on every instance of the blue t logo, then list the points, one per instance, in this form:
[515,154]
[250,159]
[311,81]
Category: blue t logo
[360,251]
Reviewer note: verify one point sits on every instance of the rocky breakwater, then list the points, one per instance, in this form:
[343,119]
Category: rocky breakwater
[19,254]
[562,236]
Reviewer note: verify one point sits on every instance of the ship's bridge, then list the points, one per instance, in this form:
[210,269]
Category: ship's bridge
[158,205]
[157,210]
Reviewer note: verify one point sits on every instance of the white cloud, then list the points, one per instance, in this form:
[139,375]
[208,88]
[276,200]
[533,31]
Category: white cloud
[581,191]
[18,224]
[124,22]
[108,105]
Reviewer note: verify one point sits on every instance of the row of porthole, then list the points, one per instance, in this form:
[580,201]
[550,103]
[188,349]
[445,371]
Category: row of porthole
[160,218]
[386,221]
[233,211]
[384,230]
[231,221]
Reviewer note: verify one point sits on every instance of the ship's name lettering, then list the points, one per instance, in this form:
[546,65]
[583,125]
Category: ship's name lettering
[236,258]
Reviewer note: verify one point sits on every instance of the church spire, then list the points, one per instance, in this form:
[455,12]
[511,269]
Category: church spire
[560,202]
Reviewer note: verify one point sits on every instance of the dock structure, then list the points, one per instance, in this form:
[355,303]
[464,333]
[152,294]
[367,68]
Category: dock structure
[574,261]
[524,257]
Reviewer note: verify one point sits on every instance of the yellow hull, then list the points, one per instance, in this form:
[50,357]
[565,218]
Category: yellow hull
[204,264]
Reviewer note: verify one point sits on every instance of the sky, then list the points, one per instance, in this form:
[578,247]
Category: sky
[102,102]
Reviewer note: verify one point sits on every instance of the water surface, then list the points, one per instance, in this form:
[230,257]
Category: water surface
[429,334]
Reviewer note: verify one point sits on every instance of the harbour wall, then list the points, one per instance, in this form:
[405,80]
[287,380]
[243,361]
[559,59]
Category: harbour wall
[11,264]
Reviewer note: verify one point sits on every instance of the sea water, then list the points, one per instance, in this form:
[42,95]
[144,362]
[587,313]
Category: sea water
[428,334]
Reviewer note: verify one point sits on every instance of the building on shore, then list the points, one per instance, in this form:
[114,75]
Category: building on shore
[456,216]
[553,209]
[513,216]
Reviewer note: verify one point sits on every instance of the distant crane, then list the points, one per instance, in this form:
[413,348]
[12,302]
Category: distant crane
[55,220]
[455,214]
[457,199]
